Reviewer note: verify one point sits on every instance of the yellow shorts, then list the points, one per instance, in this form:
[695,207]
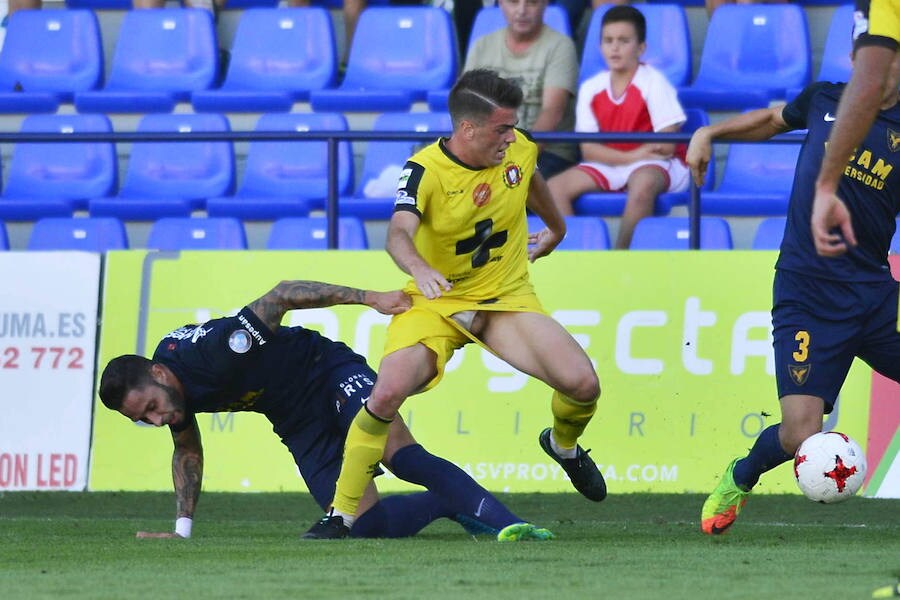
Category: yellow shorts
[429,323]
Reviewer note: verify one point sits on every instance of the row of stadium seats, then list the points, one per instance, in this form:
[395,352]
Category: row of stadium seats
[279,179]
[309,233]
[399,55]
[290,178]
[99,234]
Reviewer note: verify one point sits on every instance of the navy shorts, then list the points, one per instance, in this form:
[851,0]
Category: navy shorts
[318,446]
[821,325]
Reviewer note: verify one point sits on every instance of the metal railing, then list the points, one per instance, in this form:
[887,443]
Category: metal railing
[332,138]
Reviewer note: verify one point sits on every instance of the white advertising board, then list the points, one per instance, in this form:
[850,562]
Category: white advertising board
[48,330]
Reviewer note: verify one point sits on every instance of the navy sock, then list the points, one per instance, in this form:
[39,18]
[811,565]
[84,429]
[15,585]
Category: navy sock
[765,455]
[400,516]
[473,506]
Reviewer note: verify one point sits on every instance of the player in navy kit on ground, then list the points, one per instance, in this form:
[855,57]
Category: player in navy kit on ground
[310,388]
[826,311]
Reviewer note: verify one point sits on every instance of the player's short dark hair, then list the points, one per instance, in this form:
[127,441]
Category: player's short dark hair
[121,375]
[624,13]
[478,93]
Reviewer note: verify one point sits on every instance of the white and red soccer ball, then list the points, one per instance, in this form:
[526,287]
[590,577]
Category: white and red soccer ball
[829,467]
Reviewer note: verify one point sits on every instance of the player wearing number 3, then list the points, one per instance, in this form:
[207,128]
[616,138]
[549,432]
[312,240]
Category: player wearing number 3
[459,229]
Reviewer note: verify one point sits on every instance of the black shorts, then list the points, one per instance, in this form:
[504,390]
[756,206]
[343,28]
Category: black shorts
[318,447]
[819,326]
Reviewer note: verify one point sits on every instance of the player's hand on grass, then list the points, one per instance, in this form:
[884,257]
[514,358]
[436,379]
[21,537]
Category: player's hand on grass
[431,283]
[829,214]
[389,303]
[541,243]
[157,534]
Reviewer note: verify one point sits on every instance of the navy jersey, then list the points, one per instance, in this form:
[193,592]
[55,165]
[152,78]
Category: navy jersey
[869,186]
[238,364]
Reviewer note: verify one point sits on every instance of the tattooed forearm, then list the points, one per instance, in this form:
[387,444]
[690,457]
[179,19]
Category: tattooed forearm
[289,295]
[187,470]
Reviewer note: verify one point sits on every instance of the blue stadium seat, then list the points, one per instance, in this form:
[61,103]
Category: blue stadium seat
[47,56]
[287,178]
[383,161]
[490,19]
[184,233]
[398,54]
[753,53]
[161,56]
[756,181]
[90,234]
[4,240]
[244,4]
[166,179]
[668,42]
[582,233]
[769,233]
[56,179]
[673,233]
[277,57]
[836,64]
[311,233]
[100,4]
[613,203]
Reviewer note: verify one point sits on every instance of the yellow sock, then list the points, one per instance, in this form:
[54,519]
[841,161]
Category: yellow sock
[569,419]
[363,450]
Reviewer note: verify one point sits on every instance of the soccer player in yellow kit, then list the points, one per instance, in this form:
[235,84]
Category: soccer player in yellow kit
[459,228]
[876,40]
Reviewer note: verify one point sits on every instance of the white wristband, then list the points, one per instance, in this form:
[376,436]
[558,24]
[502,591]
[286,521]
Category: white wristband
[183,526]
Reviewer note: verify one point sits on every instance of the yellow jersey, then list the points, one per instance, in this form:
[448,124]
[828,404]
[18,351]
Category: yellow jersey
[473,227]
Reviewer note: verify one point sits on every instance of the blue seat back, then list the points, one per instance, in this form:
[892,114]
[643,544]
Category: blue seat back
[582,233]
[51,51]
[756,47]
[4,240]
[170,50]
[296,168]
[210,233]
[836,64]
[311,233]
[769,233]
[72,170]
[402,48]
[668,42]
[673,233]
[283,49]
[180,169]
[490,19]
[760,168]
[384,159]
[95,234]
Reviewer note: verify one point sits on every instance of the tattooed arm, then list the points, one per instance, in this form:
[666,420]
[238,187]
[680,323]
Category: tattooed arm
[187,474]
[290,295]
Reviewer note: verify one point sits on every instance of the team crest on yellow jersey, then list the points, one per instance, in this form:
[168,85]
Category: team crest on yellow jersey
[512,175]
[893,140]
[481,195]
[799,373]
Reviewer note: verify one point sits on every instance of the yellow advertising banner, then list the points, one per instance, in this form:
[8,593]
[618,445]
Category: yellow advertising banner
[681,340]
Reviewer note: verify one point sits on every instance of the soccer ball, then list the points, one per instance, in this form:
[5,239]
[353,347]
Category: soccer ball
[829,467]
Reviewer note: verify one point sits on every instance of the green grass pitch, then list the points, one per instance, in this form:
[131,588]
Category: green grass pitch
[82,545]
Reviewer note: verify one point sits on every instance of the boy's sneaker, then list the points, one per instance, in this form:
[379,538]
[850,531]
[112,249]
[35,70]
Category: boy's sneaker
[329,527]
[524,532]
[581,470]
[723,506]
